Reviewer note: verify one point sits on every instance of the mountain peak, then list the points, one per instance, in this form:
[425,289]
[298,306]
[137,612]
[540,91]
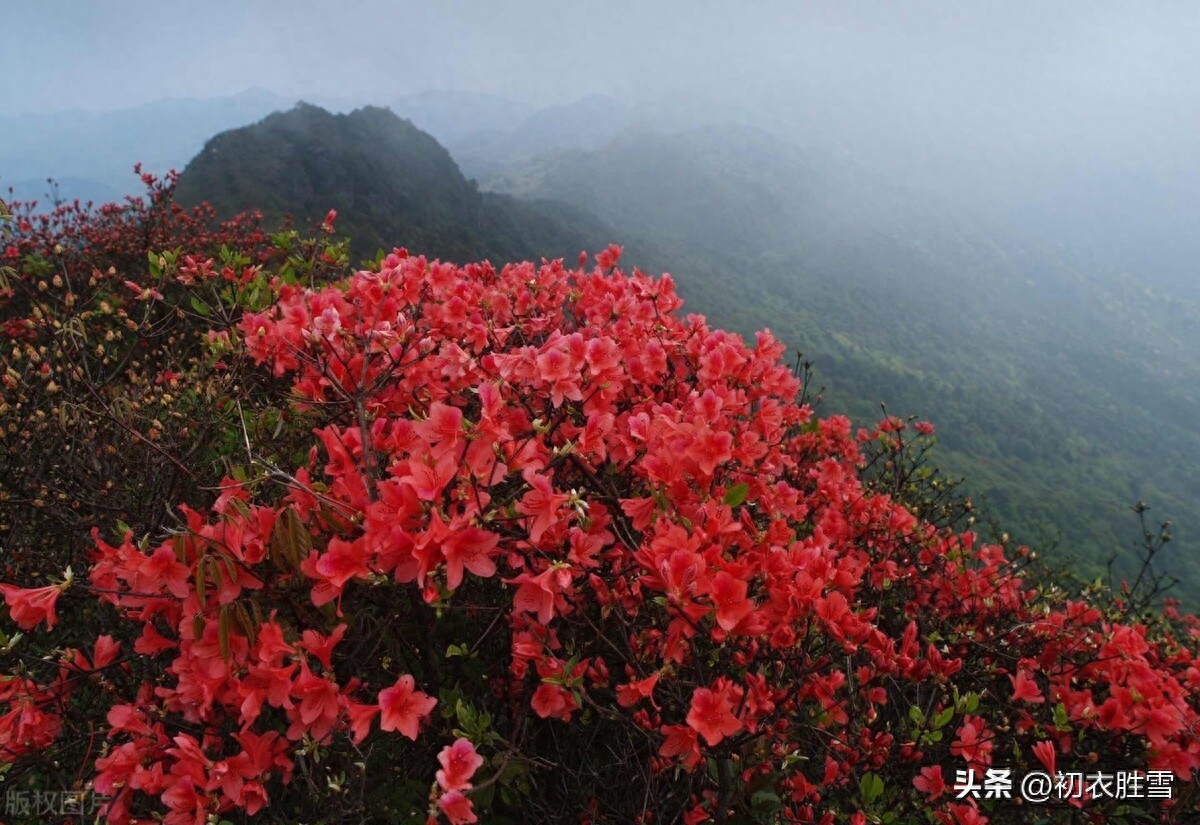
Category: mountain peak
[390,182]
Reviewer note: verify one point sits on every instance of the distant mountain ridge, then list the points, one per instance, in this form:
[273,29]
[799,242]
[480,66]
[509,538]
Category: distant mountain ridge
[391,184]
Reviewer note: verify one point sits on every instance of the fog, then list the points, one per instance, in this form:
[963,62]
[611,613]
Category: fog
[1053,65]
[1076,120]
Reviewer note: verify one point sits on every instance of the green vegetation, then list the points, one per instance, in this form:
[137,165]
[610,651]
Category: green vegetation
[1064,397]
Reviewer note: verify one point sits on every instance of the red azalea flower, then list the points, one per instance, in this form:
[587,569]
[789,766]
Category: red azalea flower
[930,782]
[956,814]
[404,707]
[542,504]
[681,741]
[459,763]
[729,595]
[28,607]
[1047,755]
[457,808]
[472,548]
[712,712]
[1026,689]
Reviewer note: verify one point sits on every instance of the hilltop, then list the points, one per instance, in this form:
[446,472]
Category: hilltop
[390,182]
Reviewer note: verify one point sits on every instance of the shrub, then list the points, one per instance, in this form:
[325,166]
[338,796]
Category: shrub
[557,552]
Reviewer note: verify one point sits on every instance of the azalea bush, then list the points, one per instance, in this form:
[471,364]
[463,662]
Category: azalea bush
[106,401]
[529,544]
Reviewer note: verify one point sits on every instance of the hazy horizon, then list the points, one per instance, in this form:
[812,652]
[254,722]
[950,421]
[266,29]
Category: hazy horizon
[1077,120]
[1065,61]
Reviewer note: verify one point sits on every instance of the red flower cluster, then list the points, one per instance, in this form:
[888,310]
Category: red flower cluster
[617,490]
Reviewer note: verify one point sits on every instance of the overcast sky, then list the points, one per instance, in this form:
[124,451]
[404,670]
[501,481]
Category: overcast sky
[1086,113]
[117,53]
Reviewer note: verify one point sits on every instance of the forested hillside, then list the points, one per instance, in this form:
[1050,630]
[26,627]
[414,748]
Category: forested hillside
[1064,395]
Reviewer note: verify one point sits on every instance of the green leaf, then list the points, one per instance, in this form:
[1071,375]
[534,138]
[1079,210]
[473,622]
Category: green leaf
[942,719]
[916,716]
[871,786]
[465,714]
[737,494]
[1061,720]
[201,306]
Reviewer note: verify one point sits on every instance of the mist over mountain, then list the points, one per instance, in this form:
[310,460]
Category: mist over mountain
[90,154]
[489,135]
[451,115]
[1051,380]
